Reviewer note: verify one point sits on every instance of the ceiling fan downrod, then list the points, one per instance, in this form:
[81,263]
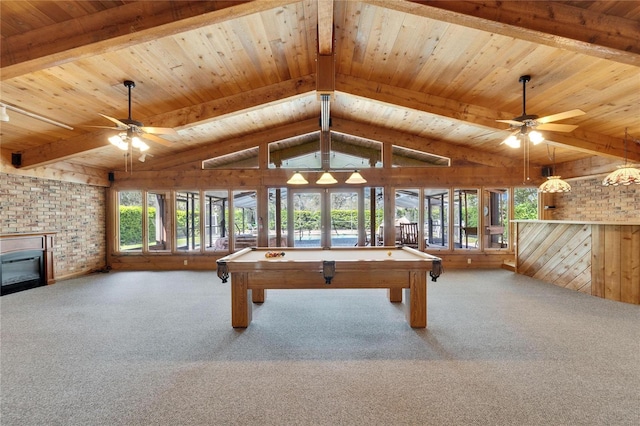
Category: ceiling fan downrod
[524,117]
[130,84]
[524,80]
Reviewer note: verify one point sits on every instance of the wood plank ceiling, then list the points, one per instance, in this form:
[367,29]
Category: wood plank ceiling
[433,76]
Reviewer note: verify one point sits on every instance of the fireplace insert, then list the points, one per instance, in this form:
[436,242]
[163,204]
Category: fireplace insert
[21,271]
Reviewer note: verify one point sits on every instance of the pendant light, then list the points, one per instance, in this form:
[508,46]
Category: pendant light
[625,174]
[554,183]
[326,179]
[355,179]
[297,179]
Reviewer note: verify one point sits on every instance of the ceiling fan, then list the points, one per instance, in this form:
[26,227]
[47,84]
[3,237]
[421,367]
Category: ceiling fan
[131,128]
[527,125]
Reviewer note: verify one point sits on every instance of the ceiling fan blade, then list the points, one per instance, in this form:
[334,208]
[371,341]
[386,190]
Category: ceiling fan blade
[121,125]
[156,139]
[560,116]
[512,122]
[159,130]
[104,127]
[557,127]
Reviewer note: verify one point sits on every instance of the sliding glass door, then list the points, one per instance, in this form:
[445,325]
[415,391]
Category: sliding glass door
[314,217]
[304,219]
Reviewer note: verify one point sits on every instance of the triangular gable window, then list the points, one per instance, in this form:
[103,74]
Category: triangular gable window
[405,157]
[245,159]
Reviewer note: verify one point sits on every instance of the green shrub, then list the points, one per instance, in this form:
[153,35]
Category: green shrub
[131,225]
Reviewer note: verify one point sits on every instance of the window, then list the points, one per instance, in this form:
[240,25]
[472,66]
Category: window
[407,212]
[436,217]
[344,218]
[303,153]
[374,215]
[216,219]
[130,220]
[245,159]
[495,213]
[465,216]
[157,221]
[405,157]
[346,153]
[306,215]
[525,203]
[277,221]
[188,220]
[245,219]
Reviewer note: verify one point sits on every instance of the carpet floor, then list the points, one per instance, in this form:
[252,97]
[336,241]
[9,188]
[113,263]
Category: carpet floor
[157,348]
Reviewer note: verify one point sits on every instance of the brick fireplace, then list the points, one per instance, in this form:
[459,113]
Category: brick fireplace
[26,261]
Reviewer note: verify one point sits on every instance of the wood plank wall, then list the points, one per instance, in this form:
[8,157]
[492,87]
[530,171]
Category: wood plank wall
[616,262]
[598,259]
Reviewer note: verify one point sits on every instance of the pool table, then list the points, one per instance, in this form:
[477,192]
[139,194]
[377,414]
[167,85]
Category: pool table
[252,271]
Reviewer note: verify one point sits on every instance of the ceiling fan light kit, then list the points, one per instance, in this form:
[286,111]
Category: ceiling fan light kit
[132,132]
[512,141]
[535,137]
[118,142]
[526,126]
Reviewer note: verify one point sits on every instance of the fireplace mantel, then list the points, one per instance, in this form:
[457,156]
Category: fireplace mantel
[12,243]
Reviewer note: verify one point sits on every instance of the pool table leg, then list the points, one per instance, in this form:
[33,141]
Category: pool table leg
[395,294]
[258,295]
[416,299]
[241,306]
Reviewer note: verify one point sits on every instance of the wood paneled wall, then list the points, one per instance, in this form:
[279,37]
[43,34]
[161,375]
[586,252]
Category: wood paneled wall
[595,258]
[615,267]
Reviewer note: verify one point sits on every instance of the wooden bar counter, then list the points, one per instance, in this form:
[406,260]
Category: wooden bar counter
[598,258]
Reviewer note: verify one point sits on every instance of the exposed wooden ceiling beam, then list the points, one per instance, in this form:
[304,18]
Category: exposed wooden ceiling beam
[117,28]
[325,27]
[590,143]
[443,177]
[545,22]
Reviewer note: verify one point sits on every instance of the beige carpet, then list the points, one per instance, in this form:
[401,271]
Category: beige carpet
[157,348]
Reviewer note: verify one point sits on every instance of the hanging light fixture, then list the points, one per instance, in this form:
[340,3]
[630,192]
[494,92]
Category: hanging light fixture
[625,174]
[119,142]
[554,184]
[125,139]
[355,178]
[515,139]
[297,179]
[143,157]
[326,179]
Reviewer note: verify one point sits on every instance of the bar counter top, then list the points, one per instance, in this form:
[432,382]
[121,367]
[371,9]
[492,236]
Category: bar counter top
[578,222]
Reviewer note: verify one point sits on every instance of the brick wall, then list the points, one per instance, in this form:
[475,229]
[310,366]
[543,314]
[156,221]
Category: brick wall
[590,201]
[74,211]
